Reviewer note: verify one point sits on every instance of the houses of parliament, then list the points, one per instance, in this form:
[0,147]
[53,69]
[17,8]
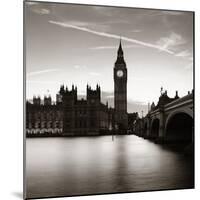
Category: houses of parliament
[70,116]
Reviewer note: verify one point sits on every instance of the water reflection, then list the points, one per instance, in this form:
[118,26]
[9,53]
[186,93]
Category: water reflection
[88,165]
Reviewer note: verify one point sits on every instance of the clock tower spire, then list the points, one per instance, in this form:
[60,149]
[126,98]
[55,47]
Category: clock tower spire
[120,91]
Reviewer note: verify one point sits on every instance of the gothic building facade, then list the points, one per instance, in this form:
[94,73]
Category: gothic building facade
[69,116]
[43,118]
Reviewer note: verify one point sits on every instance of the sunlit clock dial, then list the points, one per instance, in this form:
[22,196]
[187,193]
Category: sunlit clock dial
[120,73]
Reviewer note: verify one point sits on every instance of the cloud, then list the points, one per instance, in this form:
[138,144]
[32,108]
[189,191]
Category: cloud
[41,11]
[164,13]
[136,31]
[90,25]
[173,40]
[38,8]
[113,47]
[79,23]
[77,66]
[116,21]
[107,11]
[43,82]
[32,3]
[109,35]
[94,74]
[185,53]
[80,67]
[174,13]
[103,47]
[35,73]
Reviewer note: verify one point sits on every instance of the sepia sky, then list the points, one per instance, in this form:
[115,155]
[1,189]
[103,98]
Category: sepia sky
[77,44]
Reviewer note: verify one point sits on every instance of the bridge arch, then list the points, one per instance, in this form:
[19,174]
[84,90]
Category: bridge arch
[186,110]
[154,128]
[175,129]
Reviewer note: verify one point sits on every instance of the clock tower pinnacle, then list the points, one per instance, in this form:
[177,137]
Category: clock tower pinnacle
[120,91]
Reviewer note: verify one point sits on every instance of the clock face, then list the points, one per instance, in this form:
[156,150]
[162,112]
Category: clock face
[120,73]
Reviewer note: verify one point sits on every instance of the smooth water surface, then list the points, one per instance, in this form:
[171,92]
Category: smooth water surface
[91,165]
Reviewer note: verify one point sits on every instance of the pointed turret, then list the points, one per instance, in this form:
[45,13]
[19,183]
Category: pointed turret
[120,51]
[120,54]
[62,89]
[176,96]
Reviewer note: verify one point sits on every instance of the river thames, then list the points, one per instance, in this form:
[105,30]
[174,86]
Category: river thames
[94,165]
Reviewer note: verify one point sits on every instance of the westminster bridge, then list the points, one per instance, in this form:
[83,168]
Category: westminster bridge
[172,119]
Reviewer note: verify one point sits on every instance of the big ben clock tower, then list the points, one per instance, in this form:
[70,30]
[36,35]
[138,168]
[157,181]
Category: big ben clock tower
[120,91]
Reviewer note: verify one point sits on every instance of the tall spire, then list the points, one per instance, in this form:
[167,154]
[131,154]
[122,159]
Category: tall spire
[120,53]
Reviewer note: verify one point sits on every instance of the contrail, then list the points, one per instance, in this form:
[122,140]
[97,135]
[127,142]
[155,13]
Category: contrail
[109,35]
[41,72]
[113,47]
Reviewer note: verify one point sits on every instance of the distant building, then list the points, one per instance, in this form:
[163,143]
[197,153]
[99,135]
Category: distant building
[84,117]
[43,119]
[132,117]
[69,116]
[163,99]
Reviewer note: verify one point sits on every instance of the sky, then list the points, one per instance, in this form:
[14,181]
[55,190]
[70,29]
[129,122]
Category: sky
[77,44]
